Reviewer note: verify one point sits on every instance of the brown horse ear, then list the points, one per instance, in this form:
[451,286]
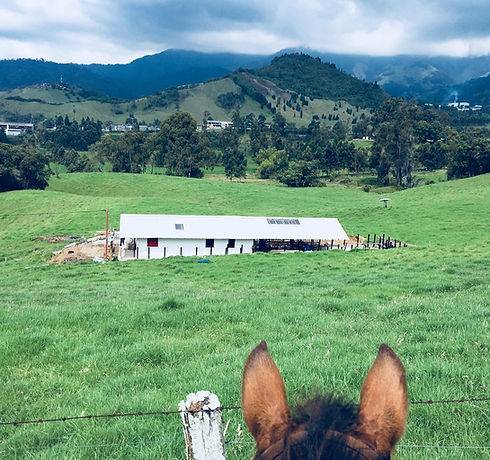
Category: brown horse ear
[264,403]
[384,402]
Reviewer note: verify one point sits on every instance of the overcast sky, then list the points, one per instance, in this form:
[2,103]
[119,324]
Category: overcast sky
[118,31]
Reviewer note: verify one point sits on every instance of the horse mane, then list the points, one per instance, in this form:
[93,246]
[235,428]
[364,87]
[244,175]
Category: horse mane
[321,414]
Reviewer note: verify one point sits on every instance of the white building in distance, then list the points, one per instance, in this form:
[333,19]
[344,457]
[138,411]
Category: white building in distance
[155,236]
[15,129]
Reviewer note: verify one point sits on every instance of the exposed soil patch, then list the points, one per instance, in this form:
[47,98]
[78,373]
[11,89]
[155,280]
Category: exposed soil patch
[57,238]
[90,249]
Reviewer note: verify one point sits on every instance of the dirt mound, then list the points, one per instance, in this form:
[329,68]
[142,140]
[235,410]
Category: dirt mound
[91,249]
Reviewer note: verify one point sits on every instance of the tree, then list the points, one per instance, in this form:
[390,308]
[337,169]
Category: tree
[278,131]
[363,128]
[3,137]
[77,162]
[469,155]
[394,144]
[102,150]
[340,129]
[359,160]
[433,155]
[234,159]
[238,122]
[129,153]
[424,131]
[23,167]
[71,135]
[300,173]
[235,163]
[335,154]
[184,151]
[205,117]
[272,162]
[258,135]
[318,138]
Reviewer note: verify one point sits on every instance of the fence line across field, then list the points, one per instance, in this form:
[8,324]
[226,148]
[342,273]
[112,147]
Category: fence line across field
[201,416]
[177,412]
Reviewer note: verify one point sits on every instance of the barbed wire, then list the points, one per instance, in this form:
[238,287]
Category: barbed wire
[433,446]
[59,213]
[114,415]
[174,412]
[449,401]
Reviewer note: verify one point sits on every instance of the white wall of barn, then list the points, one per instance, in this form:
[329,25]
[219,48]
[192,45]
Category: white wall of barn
[189,247]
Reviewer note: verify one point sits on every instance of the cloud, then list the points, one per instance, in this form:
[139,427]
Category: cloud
[121,30]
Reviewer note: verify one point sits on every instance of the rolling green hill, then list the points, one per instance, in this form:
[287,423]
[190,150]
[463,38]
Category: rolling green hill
[425,78]
[139,336]
[43,102]
[298,86]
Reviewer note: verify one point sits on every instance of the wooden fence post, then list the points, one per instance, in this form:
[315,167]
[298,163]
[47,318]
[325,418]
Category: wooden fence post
[203,426]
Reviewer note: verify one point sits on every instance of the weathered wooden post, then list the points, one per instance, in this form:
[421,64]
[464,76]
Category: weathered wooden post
[203,426]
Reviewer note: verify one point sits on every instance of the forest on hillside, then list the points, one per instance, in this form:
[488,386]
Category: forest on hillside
[406,137]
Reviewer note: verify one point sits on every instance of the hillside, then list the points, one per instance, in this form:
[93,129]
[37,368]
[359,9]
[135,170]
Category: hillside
[476,91]
[255,94]
[85,339]
[140,77]
[421,77]
[425,78]
[309,76]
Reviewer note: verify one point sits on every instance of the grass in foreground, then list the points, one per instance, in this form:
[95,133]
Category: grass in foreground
[140,336]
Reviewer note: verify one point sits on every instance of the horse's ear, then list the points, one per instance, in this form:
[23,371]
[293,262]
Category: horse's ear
[384,401]
[264,403]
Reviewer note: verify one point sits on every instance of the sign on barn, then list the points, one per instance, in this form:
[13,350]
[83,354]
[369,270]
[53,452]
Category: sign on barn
[155,236]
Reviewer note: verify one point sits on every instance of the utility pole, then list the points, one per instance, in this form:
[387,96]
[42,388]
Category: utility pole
[106,231]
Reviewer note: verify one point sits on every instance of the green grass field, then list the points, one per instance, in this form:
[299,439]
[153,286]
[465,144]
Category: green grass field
[139,336]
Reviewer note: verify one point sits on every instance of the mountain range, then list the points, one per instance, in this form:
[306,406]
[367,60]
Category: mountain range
[298,86]
[428,79]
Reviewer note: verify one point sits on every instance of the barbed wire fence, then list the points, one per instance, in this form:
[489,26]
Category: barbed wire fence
[230,442]
[176,412]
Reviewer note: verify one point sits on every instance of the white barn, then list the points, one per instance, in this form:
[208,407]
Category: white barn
[155,236]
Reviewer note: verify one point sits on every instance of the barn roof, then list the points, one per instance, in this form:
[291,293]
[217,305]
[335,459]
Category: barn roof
[224,227]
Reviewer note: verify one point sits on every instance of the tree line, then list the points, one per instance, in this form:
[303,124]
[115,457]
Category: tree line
[406,137]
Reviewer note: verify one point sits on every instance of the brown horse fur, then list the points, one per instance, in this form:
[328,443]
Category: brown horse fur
[325,428]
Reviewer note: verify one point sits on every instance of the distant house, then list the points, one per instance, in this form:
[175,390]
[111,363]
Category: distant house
[464,106]
[216,124]
[15,129]
[126,128]
[154,236]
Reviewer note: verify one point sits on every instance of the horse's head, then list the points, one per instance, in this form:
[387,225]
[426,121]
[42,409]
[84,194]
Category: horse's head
[328,429]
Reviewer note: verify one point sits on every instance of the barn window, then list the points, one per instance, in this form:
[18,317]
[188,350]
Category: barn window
[152,242]
[231,243]
[210,243]
[179,226]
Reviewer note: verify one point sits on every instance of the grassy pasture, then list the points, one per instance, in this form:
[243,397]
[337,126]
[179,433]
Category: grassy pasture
[139,336]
